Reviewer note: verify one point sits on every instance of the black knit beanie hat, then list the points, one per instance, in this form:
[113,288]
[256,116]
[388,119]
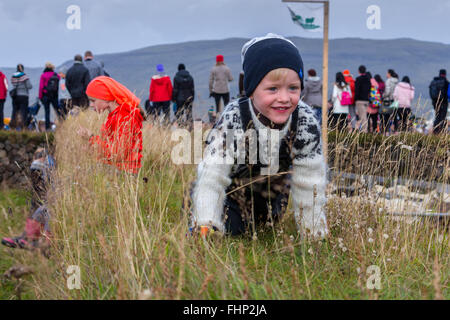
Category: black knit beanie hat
[264,54]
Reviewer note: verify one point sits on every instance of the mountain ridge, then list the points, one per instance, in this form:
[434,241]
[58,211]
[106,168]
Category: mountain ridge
[419,59]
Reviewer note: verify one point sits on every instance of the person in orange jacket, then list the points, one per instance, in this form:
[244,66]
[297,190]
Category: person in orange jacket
[161,93]
[120,141]
[351,108]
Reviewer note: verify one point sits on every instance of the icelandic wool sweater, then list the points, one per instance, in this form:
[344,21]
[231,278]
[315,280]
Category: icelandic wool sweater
[22,83]
[307,176]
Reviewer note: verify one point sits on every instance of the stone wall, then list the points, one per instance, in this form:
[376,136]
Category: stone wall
[16,155]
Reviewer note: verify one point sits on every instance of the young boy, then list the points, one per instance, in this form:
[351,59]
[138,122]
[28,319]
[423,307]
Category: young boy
[234,197]
[37,223]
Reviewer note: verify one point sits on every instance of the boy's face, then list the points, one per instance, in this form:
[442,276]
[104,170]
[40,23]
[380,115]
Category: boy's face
[277,99]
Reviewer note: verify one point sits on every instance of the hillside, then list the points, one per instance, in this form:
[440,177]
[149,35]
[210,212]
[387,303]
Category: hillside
[419,60]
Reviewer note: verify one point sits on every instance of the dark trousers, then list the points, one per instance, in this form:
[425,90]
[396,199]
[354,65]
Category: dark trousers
[20,110]
[224,96]
[162,108]
[65,105]
[81,102]
[46,101]
[338,121]
[402,118]
[440,109]
[236,223]
[2,104]
[385,122]
[184,108]
[373,121]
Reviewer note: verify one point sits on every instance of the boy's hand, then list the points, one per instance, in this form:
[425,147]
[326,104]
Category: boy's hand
[208,231]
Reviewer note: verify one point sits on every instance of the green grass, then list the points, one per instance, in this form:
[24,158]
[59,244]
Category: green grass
[127,235]
[13,212]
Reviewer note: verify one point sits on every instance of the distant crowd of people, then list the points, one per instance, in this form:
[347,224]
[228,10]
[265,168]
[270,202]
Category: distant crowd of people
[369,104]
[61,89]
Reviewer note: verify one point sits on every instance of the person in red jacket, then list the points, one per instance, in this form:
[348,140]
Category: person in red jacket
[3,95]
[120,141]
[161,93]
[351,108]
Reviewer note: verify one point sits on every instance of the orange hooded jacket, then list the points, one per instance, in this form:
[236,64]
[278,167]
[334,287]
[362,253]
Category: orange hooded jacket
[120,141]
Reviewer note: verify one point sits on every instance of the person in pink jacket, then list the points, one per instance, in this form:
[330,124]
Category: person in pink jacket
[404,94]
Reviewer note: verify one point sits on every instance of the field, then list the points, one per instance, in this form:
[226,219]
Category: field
[129,238]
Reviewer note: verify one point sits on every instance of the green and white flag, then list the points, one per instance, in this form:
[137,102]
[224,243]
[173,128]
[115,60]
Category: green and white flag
[307,16]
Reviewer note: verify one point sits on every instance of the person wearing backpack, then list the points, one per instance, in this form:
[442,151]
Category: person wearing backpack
[20,95]
[183,94]
[341,98]
[386,112]
[3,95]
[439,89]
[48,92]
[351,108]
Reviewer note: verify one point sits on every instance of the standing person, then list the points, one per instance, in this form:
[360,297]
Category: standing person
[120,140]
[161,93]
[351,108]
[3,96]
[64,98]
[381,84]
[95,68]
[21,86]
[312,94]
[222,197]
[404,94]
[48,92]
[374,105]
[77,80]
[218,82]
[341,99]
[183,93]
[362,91]
[388,114]
[439,96]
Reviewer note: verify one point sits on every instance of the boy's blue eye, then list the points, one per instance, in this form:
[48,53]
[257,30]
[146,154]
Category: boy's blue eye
[273,88]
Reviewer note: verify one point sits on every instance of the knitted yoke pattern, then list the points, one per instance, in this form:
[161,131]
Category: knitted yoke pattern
[220,164]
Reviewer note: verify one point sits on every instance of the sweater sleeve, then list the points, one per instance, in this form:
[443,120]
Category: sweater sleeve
[211,81]
[213,175]
[41,86]
[309,178]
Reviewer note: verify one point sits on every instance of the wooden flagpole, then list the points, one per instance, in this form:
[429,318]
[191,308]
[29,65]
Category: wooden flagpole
[326,13]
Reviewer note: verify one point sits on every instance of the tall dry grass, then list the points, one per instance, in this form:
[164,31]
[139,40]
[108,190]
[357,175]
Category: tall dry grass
[128,235]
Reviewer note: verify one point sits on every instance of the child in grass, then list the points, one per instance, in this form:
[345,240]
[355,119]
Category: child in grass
[120,141]
[234,197]
[37,224]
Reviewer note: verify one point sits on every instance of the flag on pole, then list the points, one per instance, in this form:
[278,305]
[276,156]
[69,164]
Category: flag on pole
[308,16]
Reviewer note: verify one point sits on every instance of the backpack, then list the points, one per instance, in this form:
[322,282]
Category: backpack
[375,97]
[52,85]
[437,88]
[346,99]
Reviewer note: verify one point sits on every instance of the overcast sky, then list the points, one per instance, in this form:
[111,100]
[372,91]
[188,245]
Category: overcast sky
[33,32]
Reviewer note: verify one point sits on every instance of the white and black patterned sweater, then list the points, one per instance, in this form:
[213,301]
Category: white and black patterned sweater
[308,176]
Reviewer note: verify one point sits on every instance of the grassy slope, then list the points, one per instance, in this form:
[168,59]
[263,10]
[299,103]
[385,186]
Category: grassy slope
[136,241]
